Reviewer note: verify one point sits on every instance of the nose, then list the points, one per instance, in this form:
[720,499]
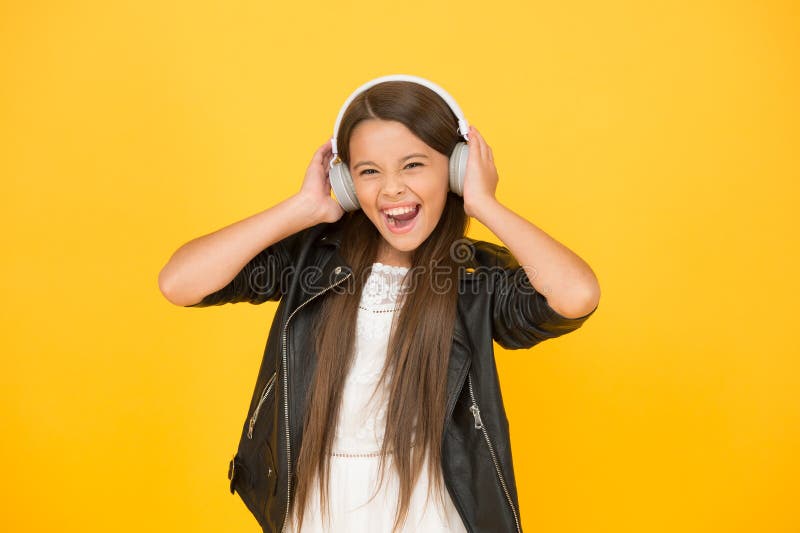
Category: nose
[393,185]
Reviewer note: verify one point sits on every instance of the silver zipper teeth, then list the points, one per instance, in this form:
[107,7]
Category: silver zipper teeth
[476,412]
[286,403]
[267,390]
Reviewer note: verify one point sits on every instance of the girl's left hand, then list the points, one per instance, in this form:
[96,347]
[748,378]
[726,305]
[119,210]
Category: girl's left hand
[480,178]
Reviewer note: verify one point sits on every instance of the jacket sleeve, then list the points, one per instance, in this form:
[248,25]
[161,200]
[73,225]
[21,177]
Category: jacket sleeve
[263,278]
[521,316]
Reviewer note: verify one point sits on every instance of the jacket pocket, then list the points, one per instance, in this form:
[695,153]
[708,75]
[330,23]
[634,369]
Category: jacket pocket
[268,474]
[252,475]
[265,394]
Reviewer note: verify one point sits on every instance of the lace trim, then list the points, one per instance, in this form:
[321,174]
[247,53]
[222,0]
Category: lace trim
[389,268]
[392,310]
[364,454]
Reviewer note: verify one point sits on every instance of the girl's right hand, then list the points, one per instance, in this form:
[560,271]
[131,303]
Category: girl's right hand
[316,188]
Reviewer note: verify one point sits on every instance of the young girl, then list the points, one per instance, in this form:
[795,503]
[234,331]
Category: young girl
[378,387]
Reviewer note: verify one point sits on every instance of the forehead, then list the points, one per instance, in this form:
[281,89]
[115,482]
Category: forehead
[375,137]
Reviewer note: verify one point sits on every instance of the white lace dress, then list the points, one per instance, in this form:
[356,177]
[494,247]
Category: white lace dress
[354,464]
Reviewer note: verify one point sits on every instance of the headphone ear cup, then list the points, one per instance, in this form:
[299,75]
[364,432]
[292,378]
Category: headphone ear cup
[343,188]
[458,167]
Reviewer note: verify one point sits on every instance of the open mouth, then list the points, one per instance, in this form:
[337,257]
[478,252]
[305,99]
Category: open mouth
[402,221]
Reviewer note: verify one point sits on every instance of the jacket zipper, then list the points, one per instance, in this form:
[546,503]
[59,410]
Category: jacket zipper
[286,399]
[267,390]
[476,412]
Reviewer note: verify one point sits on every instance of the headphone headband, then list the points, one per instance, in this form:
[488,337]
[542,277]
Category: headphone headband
[463,125]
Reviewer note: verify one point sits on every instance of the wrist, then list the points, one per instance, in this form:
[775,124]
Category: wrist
[305,207]
[478,208]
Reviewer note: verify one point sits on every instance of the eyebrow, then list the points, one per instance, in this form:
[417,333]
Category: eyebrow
[400,161]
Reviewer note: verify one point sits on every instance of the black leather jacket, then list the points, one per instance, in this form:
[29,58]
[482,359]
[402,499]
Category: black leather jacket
[495,303]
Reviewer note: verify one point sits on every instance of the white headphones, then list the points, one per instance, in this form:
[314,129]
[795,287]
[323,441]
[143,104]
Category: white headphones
[342,181]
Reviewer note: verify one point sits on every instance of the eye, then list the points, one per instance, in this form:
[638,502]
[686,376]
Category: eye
[364,172]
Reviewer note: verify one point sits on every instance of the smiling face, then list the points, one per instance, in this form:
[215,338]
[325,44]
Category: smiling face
[393,168]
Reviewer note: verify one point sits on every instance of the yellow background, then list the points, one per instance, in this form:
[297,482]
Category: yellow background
[659,141]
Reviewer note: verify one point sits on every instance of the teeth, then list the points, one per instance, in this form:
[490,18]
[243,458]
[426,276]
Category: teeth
[399,210]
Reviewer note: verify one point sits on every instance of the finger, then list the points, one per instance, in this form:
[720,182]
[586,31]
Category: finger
[491,154]
[481,144]
[487,151]
[322,151]
[473,140]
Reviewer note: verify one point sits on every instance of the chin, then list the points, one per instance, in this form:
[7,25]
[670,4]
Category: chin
[401,244]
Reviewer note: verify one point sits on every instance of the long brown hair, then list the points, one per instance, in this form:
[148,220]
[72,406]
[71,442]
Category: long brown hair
[420,337]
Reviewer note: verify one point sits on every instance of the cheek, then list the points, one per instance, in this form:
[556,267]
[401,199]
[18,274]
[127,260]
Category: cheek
[367,196]
[436,193]
[364,191]
[432,187]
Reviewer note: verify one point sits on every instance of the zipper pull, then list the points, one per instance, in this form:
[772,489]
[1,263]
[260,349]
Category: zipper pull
[250,428]
[477,414]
